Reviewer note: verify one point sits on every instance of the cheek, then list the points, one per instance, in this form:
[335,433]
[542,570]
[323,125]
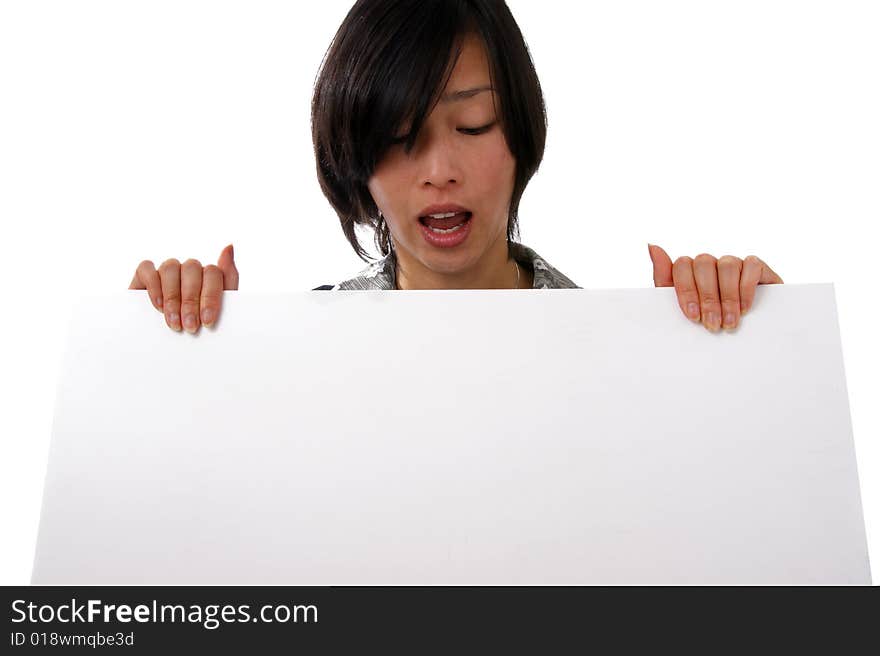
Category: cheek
[385,188]
[376,187]
[388,181]
[381,187]
[496,170]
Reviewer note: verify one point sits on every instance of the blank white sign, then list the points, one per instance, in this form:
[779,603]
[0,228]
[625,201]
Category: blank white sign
[454,437]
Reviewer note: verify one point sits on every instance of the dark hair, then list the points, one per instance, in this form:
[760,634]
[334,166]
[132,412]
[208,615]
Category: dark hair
[389,63]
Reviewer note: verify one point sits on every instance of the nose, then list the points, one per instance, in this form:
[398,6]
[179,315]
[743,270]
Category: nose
[441,163]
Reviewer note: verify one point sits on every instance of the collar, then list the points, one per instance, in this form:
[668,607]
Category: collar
[380,275]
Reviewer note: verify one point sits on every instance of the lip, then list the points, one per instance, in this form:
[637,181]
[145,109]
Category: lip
[450,240]
[444,208]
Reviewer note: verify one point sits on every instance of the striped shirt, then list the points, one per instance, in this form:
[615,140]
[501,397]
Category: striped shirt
[380,275]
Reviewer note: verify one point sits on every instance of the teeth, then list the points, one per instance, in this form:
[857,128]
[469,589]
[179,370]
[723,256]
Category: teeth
[448,215]
[446,232]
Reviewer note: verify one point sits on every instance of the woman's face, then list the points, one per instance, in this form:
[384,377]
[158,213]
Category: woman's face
[460,158]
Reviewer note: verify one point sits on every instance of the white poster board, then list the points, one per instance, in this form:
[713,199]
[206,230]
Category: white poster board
[454,437]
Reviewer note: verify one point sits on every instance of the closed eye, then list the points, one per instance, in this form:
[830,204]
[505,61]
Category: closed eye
[470,131]
[475,131]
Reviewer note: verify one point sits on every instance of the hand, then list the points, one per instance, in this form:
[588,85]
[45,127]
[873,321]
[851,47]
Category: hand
[696,282]
[187,290]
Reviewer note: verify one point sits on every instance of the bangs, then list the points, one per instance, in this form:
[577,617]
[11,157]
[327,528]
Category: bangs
[419,61]
[414,48]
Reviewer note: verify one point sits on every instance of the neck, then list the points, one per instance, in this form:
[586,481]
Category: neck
[495,270]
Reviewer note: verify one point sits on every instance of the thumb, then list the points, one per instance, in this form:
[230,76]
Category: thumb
[662,266]
[226,264]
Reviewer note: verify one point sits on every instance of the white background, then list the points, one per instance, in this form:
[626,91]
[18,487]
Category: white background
[133,130]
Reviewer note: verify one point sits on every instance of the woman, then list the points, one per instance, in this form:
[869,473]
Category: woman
[428,122]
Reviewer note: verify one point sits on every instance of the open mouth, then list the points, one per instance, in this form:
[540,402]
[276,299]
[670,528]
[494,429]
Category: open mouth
[447,223]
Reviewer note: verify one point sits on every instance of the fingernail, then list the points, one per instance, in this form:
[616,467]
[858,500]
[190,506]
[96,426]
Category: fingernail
[712,320]
[729,320]
[743,309]
[694,311]
[159,301]
[174,320]
[207,316]
[189,322]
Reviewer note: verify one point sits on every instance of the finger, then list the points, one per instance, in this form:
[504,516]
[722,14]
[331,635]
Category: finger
[768,276]
[686,288]
[706,276]
[729,276]
[190,293]
[212,292]
[169,275]
[136,281]
[755,272]
[146,277]
[662,266]
[226,264]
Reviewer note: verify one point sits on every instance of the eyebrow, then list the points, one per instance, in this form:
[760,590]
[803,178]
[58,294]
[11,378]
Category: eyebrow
[464,94]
